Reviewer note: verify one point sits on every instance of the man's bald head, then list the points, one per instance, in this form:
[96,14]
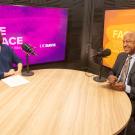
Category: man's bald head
[129,43]
[130,34]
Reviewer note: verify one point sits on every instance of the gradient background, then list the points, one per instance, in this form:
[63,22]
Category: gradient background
[120,21]
[37,25]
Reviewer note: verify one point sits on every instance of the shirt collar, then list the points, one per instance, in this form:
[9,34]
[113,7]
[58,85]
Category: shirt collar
[133,56]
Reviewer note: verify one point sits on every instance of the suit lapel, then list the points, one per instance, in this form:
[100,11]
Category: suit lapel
[121,63]
[131,72]
[132,69]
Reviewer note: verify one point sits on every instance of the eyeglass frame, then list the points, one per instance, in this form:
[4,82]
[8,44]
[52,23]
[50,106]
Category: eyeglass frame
[128,41]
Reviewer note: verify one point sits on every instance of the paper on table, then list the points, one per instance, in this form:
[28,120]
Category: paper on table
[16,80]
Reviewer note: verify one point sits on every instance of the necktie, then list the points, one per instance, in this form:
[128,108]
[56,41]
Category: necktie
[124,70]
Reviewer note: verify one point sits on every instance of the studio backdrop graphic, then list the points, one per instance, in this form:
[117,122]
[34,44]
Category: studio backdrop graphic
[42,28]
[116,24]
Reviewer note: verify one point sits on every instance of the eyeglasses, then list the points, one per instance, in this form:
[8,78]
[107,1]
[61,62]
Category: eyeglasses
[128,41]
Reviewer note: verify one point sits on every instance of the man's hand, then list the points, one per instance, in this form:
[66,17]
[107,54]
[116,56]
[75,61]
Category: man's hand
[118,86]
[112,79]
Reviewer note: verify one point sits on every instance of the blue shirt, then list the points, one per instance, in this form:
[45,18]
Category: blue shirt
[7,59]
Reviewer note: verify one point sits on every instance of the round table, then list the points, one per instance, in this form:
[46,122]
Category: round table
[62,102]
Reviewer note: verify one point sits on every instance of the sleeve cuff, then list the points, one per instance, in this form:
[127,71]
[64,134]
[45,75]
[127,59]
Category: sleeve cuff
[128,89]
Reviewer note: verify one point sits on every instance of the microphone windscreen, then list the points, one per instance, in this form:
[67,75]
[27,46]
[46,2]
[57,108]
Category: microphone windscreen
[27,48]
[106,52]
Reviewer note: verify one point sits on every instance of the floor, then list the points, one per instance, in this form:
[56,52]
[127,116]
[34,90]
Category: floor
[130,129]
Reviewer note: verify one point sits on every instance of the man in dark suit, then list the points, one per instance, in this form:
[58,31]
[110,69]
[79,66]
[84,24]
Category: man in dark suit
[122,76]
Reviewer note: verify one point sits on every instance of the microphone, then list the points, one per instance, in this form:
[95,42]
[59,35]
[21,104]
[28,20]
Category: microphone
[28,49]
[104,53]
[101,54]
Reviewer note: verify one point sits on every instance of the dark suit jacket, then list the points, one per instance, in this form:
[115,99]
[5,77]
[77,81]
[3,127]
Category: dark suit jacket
[118,67]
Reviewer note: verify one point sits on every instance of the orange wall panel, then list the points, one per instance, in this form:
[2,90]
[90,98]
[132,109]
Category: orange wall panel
[116,24]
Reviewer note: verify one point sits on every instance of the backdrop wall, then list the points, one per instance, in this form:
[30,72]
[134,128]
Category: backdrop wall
[79,30]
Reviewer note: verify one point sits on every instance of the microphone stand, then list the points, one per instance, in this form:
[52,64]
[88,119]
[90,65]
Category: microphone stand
[99,78]
[27,72]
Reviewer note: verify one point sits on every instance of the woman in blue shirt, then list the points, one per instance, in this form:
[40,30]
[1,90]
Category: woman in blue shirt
[7,59]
